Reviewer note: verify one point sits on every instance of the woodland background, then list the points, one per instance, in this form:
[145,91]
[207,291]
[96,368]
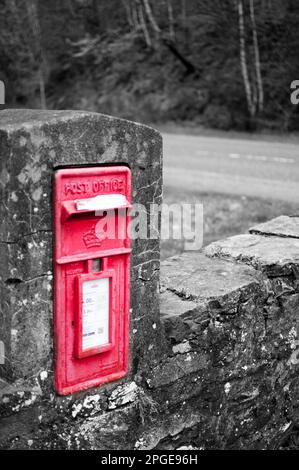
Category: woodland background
[226,64]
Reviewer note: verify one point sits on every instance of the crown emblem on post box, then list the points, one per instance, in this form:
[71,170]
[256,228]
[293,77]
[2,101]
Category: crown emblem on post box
[93,238]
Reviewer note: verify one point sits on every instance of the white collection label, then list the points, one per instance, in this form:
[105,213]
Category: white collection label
[95,313]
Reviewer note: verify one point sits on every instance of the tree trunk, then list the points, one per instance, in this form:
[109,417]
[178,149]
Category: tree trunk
[35,26]
[127,7]
[134,8]
[143,25]
[151,17]
[184,20]
[257,58]
[171,20]
[42,89]
[243,60]
[71,8]
[184,14]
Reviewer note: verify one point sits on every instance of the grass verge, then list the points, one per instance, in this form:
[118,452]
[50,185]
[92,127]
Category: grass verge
[224,215]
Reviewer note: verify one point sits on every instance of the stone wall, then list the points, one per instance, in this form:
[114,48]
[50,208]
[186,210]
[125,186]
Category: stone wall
[216,367]
[231,322]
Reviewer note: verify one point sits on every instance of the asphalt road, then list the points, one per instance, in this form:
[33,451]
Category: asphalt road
[232,166]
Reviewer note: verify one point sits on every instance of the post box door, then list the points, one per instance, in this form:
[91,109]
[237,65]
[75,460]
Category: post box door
[92,276]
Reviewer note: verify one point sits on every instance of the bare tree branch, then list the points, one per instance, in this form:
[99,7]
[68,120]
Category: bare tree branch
[168,42]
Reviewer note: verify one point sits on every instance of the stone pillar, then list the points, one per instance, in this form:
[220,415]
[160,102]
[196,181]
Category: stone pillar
[33,144]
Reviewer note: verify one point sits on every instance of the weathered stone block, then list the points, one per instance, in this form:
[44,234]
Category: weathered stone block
[194,276]
[283,226]
[274,256]
[197,290]
[174,310]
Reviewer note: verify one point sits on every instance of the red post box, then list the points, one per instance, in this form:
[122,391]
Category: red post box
[92,276]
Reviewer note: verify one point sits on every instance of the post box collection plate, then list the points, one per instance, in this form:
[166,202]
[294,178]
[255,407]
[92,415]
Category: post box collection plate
[91,276]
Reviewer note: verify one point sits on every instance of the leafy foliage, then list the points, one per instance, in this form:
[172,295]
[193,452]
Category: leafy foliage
[154,61]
